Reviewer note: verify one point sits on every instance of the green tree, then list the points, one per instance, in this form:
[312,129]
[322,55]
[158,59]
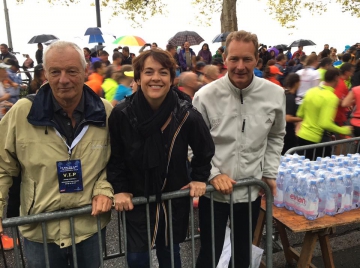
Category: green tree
[286,12]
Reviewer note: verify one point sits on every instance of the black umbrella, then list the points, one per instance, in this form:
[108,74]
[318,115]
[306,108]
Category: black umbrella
[302,43]
[96,48]
[220,37]
[42,38]
[283,47]
[186,36]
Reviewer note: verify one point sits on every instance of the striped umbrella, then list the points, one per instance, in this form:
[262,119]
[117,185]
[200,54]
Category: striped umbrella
[129,40]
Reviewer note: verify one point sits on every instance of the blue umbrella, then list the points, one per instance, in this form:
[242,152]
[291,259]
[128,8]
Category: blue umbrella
[93,31]
[96,38]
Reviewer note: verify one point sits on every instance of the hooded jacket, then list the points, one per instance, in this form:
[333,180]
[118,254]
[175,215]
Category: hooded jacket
[126,175]
[30,145]
[248,128]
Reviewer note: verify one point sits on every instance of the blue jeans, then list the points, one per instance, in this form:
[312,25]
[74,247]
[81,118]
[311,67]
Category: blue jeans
[141,259]
[87,251]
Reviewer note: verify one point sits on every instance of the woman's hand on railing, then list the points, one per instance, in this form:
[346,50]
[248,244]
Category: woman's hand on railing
[123,201]
[197,188]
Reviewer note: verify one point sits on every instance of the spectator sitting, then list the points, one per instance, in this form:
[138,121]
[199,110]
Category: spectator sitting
[205,53]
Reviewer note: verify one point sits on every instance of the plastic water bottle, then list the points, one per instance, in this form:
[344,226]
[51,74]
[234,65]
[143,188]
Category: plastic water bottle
[279,198]
[290,192]
[321,187]
[341,194]
[356,192]
[312,201]
[349,190]
[332,197]
[300,193]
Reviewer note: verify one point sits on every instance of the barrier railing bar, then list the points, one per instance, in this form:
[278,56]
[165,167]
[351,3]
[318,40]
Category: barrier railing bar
[46,249]
[192,232]
[18,221]
[250,224]
[148,232]
[123,214]
[100,241]
[212,229]
[73,244]
[16,246]
[231,232]
[119,228]
[171,235]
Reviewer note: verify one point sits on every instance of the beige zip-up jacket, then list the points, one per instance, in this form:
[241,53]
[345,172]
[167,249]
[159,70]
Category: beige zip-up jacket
[27,148]
[248,128]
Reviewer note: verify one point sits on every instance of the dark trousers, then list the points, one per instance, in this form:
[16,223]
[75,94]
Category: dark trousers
[240,230]
[318,151]
[87,251]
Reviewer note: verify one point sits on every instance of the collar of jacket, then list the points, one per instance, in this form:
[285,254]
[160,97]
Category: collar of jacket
[182,106]
[235,90]
[41,112]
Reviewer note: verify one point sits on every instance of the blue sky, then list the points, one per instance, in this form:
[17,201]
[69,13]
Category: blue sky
[69,23]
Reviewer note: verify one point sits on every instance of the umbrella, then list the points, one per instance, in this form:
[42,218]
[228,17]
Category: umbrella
[129,40]
[283,47]
[96,38]
[220,37]
[42,38]
[186,36]
[93,31]
[50,42]
[302,43]
[96,48]
[275,50]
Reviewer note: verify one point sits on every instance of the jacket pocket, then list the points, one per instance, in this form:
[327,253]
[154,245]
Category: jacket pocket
[27,196]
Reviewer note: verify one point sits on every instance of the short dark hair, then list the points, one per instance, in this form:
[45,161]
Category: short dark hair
[303,58]
[125,49]
[117,55]
[96,65]
[155,44]
[291,79]
[170,47]
[291,63]
[346,67]
[103,53]
[4,45]
[280,57]
[87,49]
[161,56]
[331,74]
[346,57]
[325,61]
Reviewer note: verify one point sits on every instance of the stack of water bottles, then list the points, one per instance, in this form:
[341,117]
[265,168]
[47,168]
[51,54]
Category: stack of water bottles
[327,186]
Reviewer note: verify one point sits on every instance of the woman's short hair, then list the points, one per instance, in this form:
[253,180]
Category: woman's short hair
[291,79]
[161,56]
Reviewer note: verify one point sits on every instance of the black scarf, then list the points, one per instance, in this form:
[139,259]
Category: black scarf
[150,123]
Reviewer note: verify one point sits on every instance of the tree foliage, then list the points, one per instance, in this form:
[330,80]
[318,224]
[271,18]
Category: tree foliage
[286,12]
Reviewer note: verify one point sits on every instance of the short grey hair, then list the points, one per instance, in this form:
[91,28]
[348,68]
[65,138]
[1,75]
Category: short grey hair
[64,44]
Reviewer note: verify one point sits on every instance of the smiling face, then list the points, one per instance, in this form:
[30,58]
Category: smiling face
[155,82]
[65,73]
[240,60]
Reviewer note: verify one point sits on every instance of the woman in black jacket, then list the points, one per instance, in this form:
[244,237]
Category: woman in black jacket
[150,133]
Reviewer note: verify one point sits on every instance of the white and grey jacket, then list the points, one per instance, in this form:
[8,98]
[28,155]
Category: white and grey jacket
[248,128]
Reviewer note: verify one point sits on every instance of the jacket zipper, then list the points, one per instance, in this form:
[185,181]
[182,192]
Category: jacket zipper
[33,202]
[167,168]
[241,97]
[261,165]
[243,126]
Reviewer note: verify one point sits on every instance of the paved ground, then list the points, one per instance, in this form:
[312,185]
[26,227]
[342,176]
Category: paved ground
[345,244]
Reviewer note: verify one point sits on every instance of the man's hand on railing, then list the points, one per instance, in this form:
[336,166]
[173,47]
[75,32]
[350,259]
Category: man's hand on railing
[123,201]
[100,204]
[197,188]
[223,183]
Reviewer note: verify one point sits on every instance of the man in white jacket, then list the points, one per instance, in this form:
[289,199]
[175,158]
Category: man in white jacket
[246,118]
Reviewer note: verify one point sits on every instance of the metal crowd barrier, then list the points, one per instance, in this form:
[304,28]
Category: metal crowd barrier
[42,218]
[347,146]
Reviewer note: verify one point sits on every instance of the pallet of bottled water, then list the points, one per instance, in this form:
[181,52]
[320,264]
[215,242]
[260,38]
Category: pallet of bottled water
[327,186]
